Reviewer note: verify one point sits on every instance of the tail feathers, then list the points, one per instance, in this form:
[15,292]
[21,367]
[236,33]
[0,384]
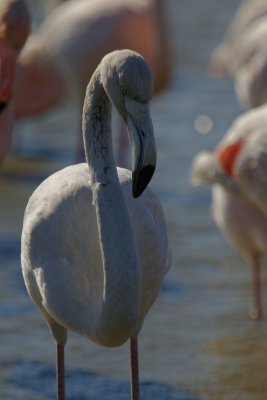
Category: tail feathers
[205,169]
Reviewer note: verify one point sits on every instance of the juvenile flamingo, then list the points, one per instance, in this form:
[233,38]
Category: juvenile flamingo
[93,255]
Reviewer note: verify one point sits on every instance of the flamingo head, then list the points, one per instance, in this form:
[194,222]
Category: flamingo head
[128,83]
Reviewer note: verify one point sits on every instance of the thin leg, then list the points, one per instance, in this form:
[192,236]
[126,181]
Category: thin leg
[256,311]
[134,369]
[60,372]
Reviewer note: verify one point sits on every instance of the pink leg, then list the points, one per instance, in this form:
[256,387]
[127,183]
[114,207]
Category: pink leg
[134,369]
[60,372]
[256,311]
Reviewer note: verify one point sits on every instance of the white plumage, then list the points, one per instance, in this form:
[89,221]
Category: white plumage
[237,171]
[93,256]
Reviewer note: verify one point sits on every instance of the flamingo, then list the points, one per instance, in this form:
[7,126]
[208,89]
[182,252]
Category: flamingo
[14,29]
[243,54]
[39,9]
[62,54]
[237,172]
[248,64]
[94,255]
[248,13]
[249,68]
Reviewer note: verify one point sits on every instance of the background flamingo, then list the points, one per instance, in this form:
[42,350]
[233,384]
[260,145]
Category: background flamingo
[14,29]
[246,14]
[63,52]
[249,67]
[93,257]
[237,171]
[243,53]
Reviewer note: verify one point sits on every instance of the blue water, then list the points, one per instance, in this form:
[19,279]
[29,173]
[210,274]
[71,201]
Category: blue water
[85,385]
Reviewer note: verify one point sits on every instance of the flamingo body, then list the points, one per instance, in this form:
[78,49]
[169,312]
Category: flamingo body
[244,224]
[249,65]
[94,244]
[243,53]
[239,193]
[61,55]
[61,256]
[250,165]
[247,14]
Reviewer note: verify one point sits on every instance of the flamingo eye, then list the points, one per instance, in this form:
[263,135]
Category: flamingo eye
[123,90]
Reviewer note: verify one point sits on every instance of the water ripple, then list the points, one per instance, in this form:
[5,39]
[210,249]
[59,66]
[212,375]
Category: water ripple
[83,385]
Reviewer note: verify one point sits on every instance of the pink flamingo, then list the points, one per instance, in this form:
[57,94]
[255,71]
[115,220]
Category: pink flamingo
[62,54]
[14,29]
[237,171]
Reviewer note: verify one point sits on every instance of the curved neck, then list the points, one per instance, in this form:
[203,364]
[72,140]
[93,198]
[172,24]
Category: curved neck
[121,296]
[97,132]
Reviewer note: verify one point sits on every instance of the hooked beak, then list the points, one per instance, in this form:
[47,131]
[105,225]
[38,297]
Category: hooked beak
[143,144]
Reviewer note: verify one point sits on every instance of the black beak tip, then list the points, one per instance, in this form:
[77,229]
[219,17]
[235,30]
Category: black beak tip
[144,177]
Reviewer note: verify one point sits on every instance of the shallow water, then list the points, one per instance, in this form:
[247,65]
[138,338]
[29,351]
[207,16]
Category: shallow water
[197,342]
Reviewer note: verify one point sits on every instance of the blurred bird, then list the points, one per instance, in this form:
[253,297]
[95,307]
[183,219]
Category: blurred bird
[61,55]
[223,55]
[247,63]
[14,30]
[39,9]
[249,66]
[93,255]
[237,171]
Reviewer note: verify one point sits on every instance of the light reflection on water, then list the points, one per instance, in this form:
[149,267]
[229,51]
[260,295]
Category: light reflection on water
[197,342]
